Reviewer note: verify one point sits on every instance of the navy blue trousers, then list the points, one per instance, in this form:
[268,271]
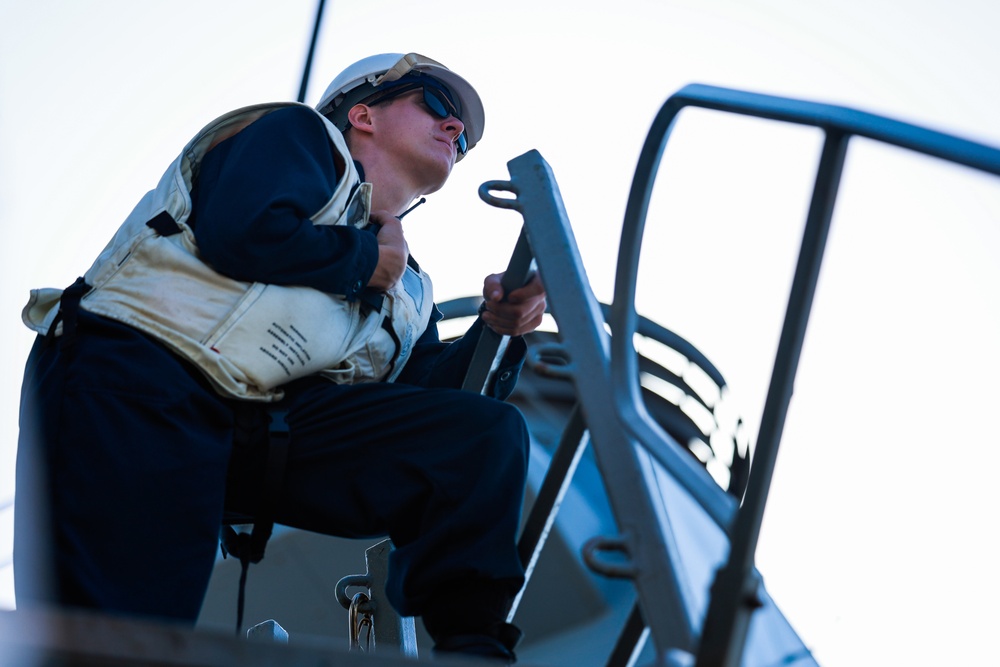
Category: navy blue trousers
[126,462]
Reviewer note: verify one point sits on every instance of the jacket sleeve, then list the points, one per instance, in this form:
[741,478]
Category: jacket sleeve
[437,364]
[253,200]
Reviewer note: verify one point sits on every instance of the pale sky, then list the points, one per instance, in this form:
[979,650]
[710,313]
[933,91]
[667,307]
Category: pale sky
[876,543]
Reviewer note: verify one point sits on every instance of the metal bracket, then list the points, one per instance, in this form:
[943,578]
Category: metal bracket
[389,628]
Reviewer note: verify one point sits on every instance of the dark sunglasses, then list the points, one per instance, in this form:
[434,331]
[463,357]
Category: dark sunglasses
[442,108]
[438,103]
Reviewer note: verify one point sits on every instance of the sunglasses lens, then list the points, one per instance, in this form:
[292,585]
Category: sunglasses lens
[436,104]
[442,108]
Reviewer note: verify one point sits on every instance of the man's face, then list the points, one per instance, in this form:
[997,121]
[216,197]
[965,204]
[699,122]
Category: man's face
[418,138]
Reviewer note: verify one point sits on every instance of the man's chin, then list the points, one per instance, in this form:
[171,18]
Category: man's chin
[439,182]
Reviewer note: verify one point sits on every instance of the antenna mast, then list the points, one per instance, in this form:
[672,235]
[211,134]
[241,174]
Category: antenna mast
[312,50]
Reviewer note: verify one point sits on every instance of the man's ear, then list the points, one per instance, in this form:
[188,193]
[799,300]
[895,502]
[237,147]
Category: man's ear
[360,118]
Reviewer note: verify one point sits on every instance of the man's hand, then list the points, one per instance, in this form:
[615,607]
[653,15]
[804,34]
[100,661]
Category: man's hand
[392,251]
[520,313]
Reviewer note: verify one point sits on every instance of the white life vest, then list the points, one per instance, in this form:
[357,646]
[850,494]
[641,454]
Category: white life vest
[248,338]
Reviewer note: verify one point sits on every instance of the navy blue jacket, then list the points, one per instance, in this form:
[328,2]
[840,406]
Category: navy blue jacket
[253,199]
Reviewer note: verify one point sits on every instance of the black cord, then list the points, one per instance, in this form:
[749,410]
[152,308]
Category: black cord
[241,598]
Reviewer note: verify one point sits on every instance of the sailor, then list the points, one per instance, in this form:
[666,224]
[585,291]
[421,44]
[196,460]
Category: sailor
[268,274]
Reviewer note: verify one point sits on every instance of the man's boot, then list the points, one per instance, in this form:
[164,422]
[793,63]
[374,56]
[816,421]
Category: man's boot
[470,618]
[496,642]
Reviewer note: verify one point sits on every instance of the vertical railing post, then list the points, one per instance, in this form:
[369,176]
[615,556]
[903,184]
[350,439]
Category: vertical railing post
[735,590]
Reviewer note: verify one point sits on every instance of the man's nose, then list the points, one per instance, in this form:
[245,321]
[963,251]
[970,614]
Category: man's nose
[453,126]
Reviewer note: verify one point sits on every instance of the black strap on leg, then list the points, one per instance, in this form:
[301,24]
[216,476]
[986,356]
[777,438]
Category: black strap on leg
[249,547]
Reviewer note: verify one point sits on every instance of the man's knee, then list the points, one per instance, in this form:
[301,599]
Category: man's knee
[503,427]
[509,421]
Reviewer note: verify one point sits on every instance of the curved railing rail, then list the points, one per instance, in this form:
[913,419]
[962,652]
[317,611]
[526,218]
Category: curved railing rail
[726,624]
[605,371]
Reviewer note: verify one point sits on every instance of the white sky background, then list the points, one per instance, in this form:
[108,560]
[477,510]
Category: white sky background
[877,540]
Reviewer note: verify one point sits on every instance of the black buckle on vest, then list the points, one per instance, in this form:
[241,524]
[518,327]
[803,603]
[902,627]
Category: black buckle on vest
[164,224]
[371,300]
[69,308]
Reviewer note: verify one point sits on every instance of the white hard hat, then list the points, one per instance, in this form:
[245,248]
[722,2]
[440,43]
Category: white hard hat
[370,75]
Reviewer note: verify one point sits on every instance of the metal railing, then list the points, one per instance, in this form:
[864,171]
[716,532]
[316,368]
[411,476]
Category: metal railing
[605,371]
